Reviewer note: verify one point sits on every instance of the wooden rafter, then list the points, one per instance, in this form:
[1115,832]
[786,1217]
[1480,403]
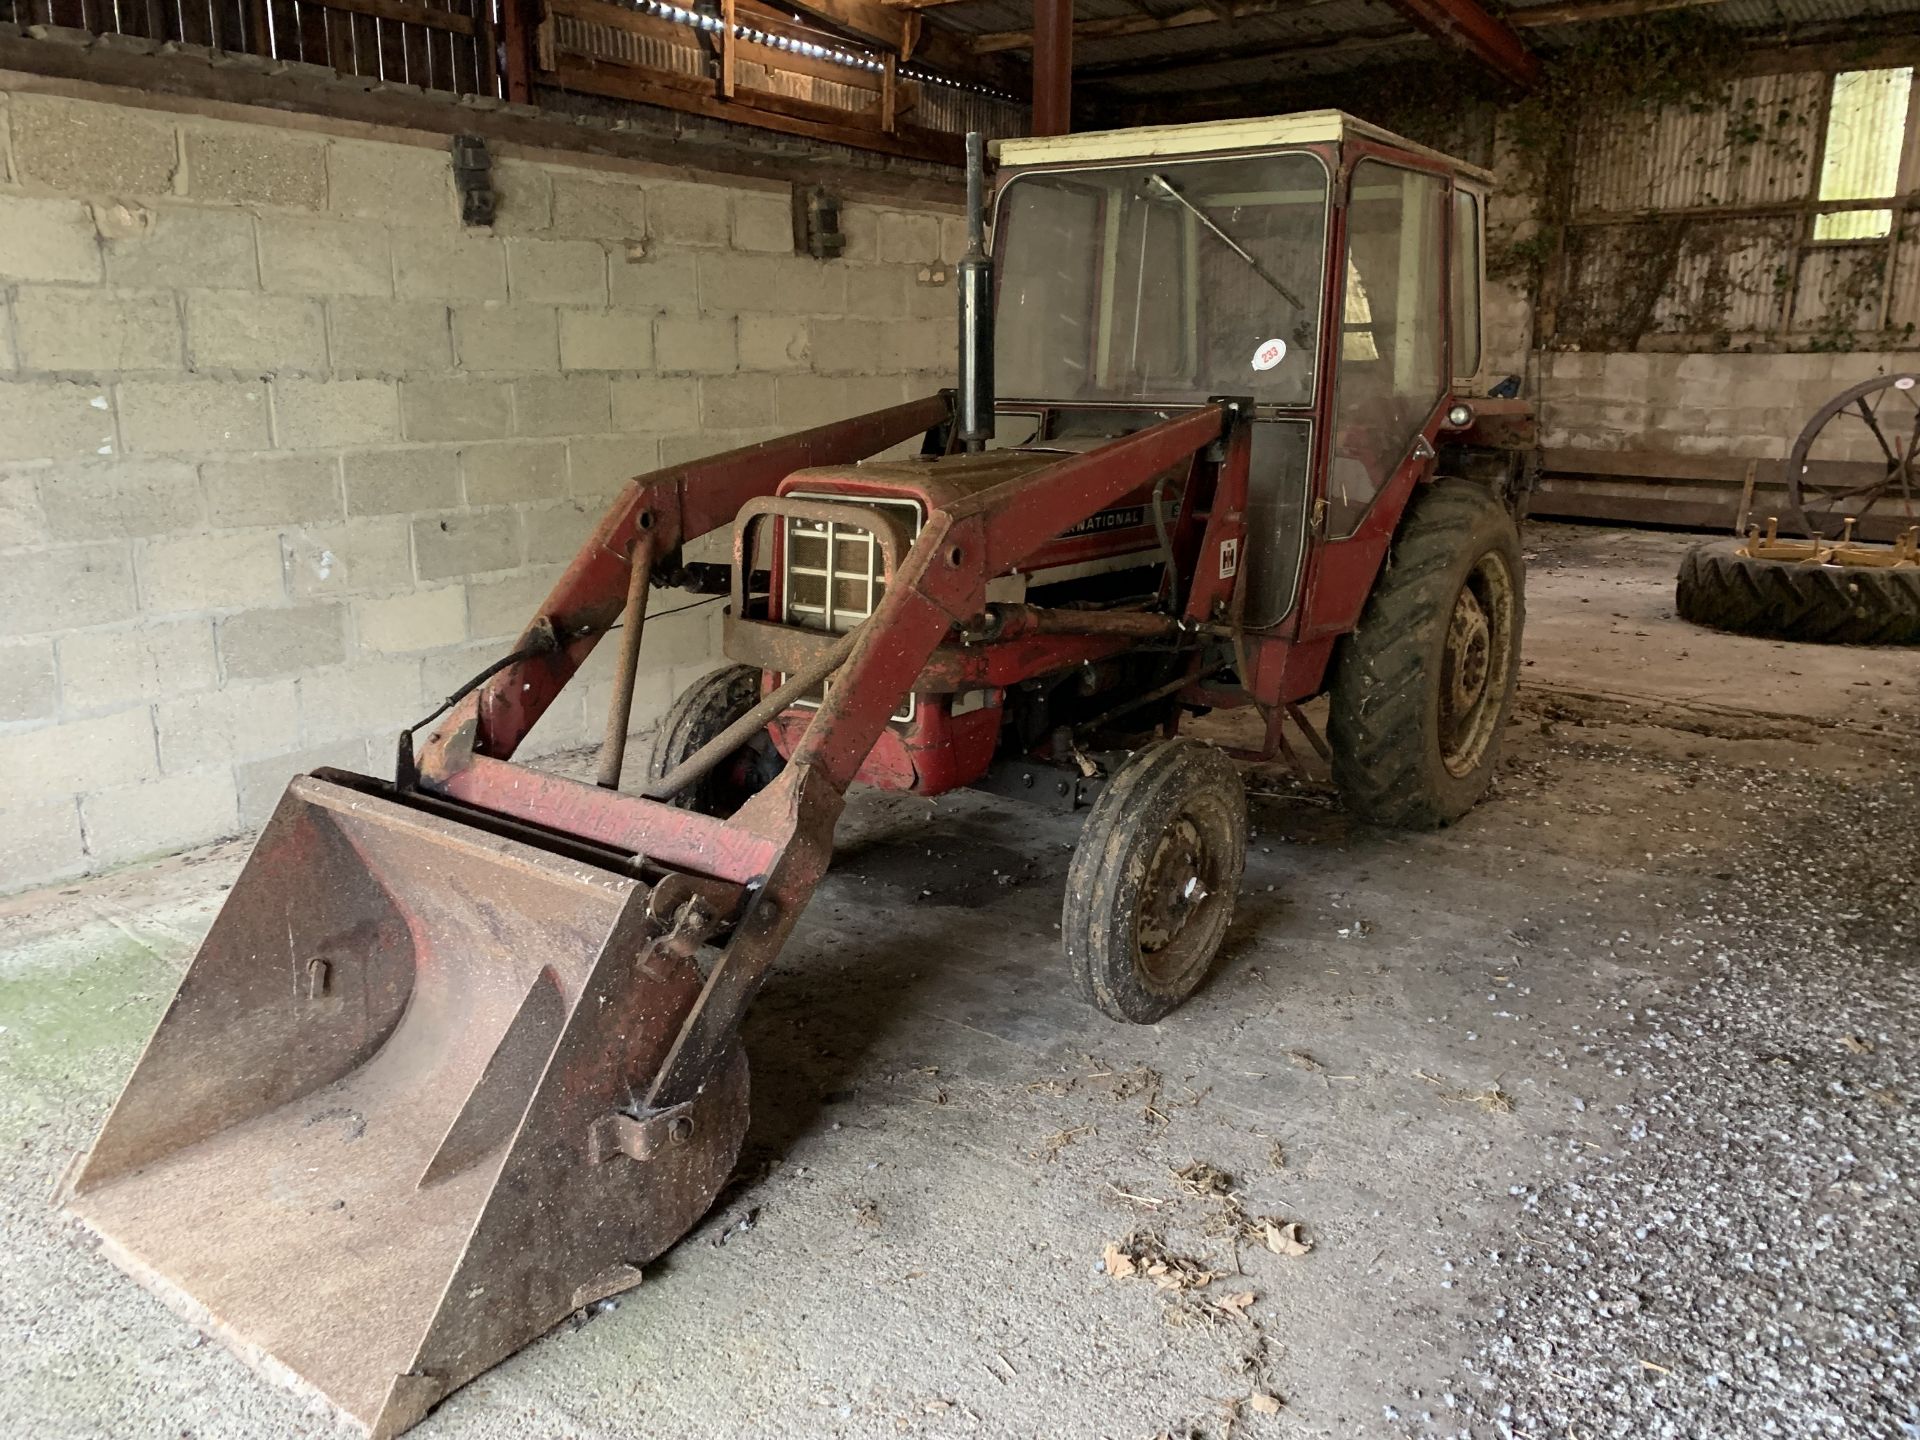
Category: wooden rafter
[997,41]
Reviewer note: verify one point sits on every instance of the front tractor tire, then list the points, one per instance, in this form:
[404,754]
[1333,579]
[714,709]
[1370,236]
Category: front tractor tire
[1423,686]
[1151,887]
[703,710]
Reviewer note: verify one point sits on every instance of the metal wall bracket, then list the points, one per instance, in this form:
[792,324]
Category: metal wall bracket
[473,178]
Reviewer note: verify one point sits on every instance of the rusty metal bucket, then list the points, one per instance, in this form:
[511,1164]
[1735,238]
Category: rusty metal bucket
[383,1135]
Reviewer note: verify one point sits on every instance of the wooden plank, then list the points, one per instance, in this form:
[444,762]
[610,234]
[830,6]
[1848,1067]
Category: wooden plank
[729,47]
[405,12]
[488,38]
[659,87]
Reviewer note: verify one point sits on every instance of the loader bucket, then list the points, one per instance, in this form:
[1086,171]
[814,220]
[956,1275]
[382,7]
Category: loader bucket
[380,1138]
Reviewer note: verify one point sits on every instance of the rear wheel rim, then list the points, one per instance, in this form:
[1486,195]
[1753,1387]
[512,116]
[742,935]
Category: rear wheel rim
[1476,662]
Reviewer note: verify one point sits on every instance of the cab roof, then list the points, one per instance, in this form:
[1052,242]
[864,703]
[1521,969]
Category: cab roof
[1263,132]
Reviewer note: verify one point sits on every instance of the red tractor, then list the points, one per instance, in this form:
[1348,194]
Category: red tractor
[461,1051]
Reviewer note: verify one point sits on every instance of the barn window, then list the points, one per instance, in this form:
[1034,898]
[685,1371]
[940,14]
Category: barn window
[1866,129]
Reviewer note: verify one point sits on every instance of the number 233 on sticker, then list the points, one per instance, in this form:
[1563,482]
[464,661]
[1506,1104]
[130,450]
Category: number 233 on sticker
[1270,354]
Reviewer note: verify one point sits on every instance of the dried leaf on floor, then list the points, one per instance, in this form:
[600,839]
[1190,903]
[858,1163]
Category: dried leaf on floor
[1048,1150]
[1262,1403]
[1203,1181]
[1301,1060]
[1857,1044]
[1235,1304]
[1119,1264]
[1495,1101]
[1284,1238]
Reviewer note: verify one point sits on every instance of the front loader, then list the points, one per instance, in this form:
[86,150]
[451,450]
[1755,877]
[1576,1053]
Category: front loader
[461,1053]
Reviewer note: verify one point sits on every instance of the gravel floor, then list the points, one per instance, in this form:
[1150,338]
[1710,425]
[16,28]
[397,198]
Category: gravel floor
[1733,1252]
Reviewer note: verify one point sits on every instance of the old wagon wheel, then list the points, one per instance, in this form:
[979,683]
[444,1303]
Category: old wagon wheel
[1860,452]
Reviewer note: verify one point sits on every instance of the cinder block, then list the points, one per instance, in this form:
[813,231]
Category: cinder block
[664,282]
[41,842]
[114,749]
[454,409]
[926,345]
[554,533]
[256,165]
[851,347]
[412,621]
[47,240]
[84,148]
[774,342]
[28,689]
[557,272]
[53,419]
[219,727]
[705,346]
[261,644]
[262,782]
[771,284]
[598,465]
[605,340]
[113,668]
[908,239]
[222,570]
[440,265]
[656,404]
[807,400]
[111,501]
[736,402]
[508,339]
[522,197]
[447,670]
[22,522]
[136,821]
[500,609]
[163,415]
[953,238]
[575,405]
[174,247]
[396,184]
[310,414]
[763,221]
[365,698]
[272,490]
[860,226]
[362,555]
[303,255]
[244,330]
[930,296]
[48,590]
[681,214]
[450,547]
[878,292]
[514,472]
[600,209]
[390,337]
[399,482]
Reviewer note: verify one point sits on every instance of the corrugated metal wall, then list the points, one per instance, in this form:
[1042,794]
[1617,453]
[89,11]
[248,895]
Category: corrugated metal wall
[1693,227]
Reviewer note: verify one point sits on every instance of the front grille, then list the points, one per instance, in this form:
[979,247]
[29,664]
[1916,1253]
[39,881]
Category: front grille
[831,574]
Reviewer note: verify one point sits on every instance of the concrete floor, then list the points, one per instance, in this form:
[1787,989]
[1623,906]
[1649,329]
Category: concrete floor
[1493,1071]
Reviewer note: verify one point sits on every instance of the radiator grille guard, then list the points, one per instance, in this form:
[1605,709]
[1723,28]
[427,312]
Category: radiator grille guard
[833,573]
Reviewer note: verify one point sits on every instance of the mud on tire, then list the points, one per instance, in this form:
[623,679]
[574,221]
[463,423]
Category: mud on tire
[1423,686]
[1154,876]
[702,711]
[1787,600]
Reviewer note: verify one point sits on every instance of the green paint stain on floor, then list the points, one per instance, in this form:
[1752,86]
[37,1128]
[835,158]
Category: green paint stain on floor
[74,1013]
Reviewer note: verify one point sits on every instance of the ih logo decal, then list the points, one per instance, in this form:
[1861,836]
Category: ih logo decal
[1229,558]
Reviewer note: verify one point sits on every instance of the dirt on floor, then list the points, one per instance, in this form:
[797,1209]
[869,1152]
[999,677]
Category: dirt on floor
[1590,1116]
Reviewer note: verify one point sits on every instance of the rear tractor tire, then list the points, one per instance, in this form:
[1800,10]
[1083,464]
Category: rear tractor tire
[1722,587]
[704,709]
[1151,888]
[1423,686]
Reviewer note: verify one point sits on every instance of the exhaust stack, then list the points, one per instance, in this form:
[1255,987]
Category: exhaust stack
[976,309]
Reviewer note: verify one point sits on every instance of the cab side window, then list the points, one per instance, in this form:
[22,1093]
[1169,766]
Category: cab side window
[1466,284]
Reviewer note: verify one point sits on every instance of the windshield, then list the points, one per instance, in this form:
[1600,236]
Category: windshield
[1164,281]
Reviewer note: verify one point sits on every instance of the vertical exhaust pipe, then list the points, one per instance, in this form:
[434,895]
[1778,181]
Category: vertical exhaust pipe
[976,309]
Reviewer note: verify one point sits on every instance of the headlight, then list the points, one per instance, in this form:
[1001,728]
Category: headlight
[1459,415]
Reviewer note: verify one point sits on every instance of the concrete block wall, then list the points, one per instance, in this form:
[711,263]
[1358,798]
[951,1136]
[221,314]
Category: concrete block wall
[286,452]
[1738,406]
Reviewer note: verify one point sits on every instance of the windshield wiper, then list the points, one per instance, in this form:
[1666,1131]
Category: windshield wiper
[1227,240]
